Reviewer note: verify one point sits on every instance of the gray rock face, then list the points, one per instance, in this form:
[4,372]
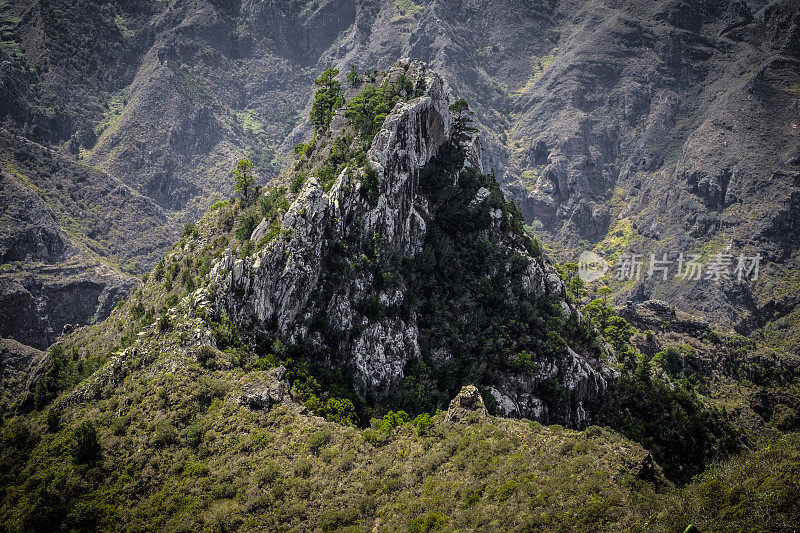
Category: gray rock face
[411,136]
[283,277]
[283,284]
[531,395]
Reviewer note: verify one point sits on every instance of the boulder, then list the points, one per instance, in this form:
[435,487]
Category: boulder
[260,395]
[467,406]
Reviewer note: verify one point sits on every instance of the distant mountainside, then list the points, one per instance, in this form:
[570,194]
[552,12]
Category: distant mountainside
[654,127]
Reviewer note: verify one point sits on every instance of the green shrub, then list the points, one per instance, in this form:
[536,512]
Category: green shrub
[137,310]
[352,77]
[297,182]
[164,323]
[268,474]
[205,355]
[189,230]
[431,521]
[53,421]
[506,490]
[164,434]
[390,421]
[423,423]
[593,431]
[247,224]
[302,467]
[370,186]
[86,447]
[158,273]
[194,435]
[44,392]
[304,149]
[266,362]
[225,332]
[318,440]
[367,111]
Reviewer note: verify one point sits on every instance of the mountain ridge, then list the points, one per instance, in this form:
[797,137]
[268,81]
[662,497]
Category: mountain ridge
[254,378]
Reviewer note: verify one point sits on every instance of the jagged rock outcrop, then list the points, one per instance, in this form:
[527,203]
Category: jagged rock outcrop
[532,394]
[283,278]
[290,283]
[467,406]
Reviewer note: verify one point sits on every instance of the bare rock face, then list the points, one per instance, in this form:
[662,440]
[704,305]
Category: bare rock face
[532,395]
[291,286]
[466,406]
[283,278]
[411,136]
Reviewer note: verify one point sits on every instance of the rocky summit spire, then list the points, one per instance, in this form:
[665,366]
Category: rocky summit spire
[362,274]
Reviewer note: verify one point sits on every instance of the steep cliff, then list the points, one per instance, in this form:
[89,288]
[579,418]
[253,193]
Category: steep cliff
[357,280]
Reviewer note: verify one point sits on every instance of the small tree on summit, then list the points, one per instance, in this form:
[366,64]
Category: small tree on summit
[243,177]
[327,99]
[462,116]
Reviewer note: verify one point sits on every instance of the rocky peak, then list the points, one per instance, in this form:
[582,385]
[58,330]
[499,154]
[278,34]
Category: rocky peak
[411,136]
[343,280]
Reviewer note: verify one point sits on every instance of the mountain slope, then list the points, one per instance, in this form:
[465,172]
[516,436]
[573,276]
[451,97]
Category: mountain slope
[592,114]
[382,273]
[72,242]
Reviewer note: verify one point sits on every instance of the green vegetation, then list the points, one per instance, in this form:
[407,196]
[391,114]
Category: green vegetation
[367,111]
[352,77]
[365,114]
[87,447]
[8,34]
[462,116]
[116,105]
[406,9]
[250,123]
[668,417]
[243,178]
[327,99]
[177,451]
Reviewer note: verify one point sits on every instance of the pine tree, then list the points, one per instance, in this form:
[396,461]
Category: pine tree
[462,116]
[327,99]
[243,177]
